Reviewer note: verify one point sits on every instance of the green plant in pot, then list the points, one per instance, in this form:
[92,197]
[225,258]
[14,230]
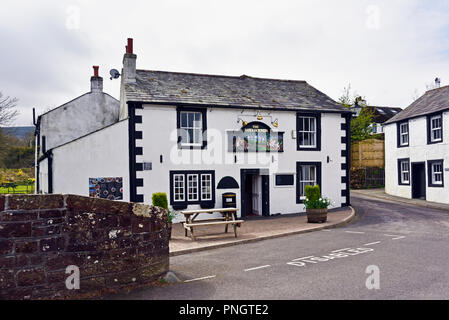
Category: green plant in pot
[160,200]
[316,206]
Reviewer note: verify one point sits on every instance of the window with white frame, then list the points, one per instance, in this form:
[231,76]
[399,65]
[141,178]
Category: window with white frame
[307,177]
[307,132]
[404,171]
[206,187]
[178,187]
[436,129]
[192,187]
[437,173]
[191,125]
[403,134]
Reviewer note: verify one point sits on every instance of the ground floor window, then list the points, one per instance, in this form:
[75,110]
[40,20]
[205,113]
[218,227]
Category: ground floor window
[404,171]
[436,173]
[192,187]
[308,173]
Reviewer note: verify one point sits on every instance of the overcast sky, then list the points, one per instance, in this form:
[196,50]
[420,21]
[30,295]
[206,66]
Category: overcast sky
[387,50]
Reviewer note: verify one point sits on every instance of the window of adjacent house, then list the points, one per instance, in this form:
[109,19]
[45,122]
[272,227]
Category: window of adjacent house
[307,177]
[374,127]
[307,132]
[436,129]
[404,167]
[192,187]
[178,187]
[437,173]
[191,125]
[403,134]
[206,187]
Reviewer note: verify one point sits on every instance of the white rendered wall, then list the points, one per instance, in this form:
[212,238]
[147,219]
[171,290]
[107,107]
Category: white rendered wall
[418,151]
[101,154]
[159,138]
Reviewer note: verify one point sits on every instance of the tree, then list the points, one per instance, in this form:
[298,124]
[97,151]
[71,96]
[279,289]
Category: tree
[8,110]
[361,126]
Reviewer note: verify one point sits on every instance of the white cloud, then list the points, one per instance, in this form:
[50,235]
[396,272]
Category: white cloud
[327,43]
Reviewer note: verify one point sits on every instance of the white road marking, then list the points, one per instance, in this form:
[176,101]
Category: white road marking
[198,279]
[327,230]
[257,268]
[400,237]
[341,250]
[302,258]
[371,243]
[359,232]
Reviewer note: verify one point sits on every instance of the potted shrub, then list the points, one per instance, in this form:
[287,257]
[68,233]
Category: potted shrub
[160,200]
[316,206]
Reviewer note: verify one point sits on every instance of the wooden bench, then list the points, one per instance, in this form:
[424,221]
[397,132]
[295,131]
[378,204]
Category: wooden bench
[228,219]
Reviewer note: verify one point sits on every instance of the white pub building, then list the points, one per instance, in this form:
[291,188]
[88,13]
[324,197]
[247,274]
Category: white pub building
[198,136]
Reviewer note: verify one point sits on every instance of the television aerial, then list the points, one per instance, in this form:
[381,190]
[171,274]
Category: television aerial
[114,74]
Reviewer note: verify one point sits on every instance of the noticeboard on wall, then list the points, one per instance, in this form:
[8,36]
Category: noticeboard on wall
[256,137]
[106,188]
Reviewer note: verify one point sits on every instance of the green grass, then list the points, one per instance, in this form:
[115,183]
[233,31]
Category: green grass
[19,190]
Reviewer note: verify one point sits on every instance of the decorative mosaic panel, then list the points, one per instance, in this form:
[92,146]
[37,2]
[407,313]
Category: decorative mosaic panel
[106,188]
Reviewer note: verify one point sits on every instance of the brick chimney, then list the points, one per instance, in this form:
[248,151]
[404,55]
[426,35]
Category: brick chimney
[129,63]
[96,82]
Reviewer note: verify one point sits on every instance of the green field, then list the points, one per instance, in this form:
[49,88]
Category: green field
[18,190]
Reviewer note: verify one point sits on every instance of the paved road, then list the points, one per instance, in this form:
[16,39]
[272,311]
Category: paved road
[409,245]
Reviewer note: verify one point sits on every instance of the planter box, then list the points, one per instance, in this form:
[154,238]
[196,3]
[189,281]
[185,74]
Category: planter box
[316,215]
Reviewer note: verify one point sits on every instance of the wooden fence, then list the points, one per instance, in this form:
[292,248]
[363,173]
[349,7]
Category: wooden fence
[368,153]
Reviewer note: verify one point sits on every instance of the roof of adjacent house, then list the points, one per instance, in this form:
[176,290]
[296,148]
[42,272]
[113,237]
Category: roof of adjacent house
[382,114]
[226,91]
[432,101]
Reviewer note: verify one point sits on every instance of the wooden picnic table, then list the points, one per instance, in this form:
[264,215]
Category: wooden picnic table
[227,219]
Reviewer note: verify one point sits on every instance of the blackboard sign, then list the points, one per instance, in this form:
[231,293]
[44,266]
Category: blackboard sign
[284,180]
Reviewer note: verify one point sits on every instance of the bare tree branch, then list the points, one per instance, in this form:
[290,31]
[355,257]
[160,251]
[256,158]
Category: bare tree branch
[7,109]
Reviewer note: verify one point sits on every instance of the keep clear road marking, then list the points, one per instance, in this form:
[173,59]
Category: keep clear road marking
[257,268]
[198,279]
[396,237]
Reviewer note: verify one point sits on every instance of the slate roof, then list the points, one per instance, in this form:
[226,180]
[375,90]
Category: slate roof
[227,91]
[382,114]
[432,101]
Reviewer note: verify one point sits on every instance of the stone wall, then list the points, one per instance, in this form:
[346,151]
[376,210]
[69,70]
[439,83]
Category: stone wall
[116,245]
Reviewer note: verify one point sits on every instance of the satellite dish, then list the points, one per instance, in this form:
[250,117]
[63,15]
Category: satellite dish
[114,74]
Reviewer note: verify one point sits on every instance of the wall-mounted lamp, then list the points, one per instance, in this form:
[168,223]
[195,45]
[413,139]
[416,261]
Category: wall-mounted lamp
[259,116]
[244,123]
[275,123]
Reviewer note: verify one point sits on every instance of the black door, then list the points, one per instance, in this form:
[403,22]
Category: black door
[246,185]
[419,180]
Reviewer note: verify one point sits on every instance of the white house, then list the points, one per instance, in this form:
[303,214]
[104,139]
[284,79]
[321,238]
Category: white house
[197,137]
[83,115]
[416,149]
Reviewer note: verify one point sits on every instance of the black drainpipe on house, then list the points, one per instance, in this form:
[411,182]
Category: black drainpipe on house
[50,171]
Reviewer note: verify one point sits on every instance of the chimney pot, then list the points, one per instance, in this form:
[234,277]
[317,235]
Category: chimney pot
[95,71]
[129,47]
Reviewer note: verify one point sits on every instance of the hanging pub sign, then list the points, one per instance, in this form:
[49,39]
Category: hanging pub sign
[256,137]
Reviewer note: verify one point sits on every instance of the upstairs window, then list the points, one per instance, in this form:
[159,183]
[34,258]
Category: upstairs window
[191,124]
[308,132]
[403,134]
[435,173]
[435,128]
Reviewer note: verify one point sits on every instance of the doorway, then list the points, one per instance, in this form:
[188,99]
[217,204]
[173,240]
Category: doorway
[255,193]
[419,180]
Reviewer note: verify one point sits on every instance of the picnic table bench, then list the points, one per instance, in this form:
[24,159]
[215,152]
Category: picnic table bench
[227,219]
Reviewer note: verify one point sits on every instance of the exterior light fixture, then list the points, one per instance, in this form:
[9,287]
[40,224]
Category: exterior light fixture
[244,123]
[259,116]
[275,123]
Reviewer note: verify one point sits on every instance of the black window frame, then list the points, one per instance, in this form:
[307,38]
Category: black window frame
[429,128]
[177,205]
[317,117]
[279,183]
[400,172]
[398,124]
[204,126]
[298,176]
[429,173]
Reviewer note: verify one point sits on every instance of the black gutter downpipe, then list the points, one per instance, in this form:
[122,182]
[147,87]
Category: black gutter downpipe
[50,171]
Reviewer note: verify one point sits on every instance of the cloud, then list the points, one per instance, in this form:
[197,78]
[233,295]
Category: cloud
[385,49]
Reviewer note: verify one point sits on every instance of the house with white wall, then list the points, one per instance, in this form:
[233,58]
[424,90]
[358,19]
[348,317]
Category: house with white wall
[85,114]
[417,150]
[197,137]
